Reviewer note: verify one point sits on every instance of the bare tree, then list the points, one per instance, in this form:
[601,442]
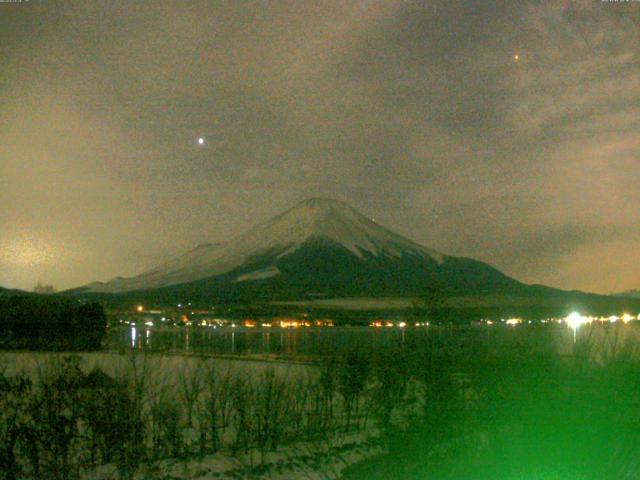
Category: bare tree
[353,372]
[214,409]
[190,387]
[269,413]
[242,414]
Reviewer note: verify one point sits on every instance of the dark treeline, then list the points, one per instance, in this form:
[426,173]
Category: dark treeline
[50,322]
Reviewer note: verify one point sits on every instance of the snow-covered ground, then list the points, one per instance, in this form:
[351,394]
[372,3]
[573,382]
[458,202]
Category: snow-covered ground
[160,367]
[305,460]
[323,455]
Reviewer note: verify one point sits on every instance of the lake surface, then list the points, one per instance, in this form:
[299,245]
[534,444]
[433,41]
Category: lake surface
[308,341]
[313,341]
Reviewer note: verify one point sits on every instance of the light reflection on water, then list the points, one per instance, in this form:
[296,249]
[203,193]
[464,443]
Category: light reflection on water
[312,341]
[240,340]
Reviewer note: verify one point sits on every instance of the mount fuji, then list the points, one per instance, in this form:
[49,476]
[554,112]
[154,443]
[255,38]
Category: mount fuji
[320,247]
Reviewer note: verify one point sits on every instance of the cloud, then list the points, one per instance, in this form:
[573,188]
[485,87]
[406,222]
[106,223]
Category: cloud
[416,113]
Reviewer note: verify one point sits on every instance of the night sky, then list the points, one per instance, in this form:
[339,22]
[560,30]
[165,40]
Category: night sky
[508,131]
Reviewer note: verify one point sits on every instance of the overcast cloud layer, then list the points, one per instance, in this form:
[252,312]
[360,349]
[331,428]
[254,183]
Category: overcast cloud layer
[416,113]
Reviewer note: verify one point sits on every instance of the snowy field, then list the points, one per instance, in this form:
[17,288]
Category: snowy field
[163,368]
[303,460]
[185,417]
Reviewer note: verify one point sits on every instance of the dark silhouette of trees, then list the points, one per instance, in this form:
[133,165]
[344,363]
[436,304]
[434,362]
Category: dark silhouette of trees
[429,306]
[14,405]
[44,288]
[50,322]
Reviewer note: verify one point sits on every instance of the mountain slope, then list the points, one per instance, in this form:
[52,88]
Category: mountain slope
[319,247]
[12,291]
[635,293]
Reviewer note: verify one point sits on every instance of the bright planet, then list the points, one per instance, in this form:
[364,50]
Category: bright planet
[410,251]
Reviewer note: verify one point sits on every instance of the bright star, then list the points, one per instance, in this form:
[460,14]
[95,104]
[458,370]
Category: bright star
[516,57]
[200,141]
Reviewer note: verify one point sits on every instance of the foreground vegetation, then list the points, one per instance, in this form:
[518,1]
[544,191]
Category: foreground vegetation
[442,406]
[59,421]
[521,413]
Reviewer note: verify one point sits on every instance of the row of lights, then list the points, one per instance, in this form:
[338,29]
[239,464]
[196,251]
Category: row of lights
[380,323]
[575,320]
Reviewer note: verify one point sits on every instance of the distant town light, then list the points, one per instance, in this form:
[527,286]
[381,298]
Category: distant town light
[140,308]
[575,320]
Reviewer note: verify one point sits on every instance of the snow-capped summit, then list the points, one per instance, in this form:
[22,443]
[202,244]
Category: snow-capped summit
[320,246]
[331,220]
[315,218]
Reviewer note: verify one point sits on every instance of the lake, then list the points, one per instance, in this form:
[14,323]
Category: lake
[315,341]
[276,341]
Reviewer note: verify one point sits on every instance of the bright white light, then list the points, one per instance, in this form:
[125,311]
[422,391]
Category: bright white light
[514,321]
[626,318]
[200,141]
[402,324]
[149,324]
[575,320]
